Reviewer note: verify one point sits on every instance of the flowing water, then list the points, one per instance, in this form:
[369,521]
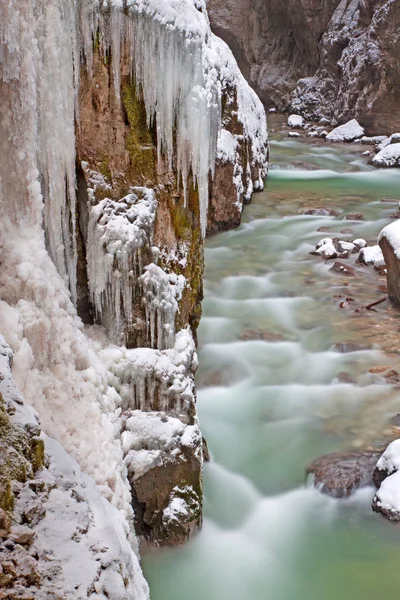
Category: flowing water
[274,393]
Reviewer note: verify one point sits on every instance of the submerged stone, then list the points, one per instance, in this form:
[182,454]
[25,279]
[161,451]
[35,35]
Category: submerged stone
[341,473]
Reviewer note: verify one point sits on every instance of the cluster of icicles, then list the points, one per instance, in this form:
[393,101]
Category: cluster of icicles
[42,85]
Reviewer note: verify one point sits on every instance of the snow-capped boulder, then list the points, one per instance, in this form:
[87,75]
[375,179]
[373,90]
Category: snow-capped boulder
[388,156]
[346,246]
[387,479]
[376,139]
[327,251]
[296,121]
[293,134]
[360,243]
[389,242]
[371,255]
[348,132]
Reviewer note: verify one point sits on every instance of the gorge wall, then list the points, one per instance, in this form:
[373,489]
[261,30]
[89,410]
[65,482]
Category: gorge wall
[336,59]
[129,133]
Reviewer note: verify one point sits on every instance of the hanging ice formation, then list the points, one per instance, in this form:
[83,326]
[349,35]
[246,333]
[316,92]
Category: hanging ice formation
[117,232]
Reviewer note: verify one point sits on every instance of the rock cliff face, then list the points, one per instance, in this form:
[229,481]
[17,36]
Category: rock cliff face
[335,59]
[105,191]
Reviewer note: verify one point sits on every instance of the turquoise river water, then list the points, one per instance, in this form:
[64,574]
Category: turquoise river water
[271,396]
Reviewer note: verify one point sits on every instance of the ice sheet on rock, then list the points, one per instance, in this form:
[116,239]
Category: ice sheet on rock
[117,232]
[348,132]
[148,379]
[389,156]
[392,233]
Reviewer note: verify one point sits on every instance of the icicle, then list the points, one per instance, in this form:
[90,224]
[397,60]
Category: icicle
[116,232]
[161,293]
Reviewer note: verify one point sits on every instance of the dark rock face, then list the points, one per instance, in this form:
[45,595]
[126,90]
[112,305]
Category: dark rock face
[344,52]
[341,473]
[275,43]
[393,270]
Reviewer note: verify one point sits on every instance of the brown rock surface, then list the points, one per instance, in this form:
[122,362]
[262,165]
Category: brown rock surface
[345,54]
[393,270]
[341,473]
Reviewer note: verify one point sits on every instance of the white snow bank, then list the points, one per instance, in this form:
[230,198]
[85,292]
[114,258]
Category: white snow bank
[55,365]
[392,233]
[296,121]
[86,535]
[388,156]
[348,132]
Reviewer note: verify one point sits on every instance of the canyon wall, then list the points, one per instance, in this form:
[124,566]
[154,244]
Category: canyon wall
[336,59]
[130,133]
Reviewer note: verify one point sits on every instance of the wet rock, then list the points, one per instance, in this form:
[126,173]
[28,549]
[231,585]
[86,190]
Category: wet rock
[206,452]
[321,212]
[341,473]
[347,231]
[357,216]
[260,334]
[342,268]
[392,377]
[344,377]
[347,347]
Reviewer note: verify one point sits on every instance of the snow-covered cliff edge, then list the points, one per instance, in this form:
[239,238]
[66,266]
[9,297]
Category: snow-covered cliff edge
[116,118]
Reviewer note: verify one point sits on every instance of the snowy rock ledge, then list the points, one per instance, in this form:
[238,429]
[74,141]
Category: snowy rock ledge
[348,132]
[60,537]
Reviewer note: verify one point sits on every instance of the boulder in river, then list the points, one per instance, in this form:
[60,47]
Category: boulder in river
[296,121]
[341,473]
[348,132]
[389,241]
[321,212]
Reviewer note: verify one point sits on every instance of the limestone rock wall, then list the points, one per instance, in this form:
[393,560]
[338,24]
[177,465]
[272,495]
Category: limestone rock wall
[344,52]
